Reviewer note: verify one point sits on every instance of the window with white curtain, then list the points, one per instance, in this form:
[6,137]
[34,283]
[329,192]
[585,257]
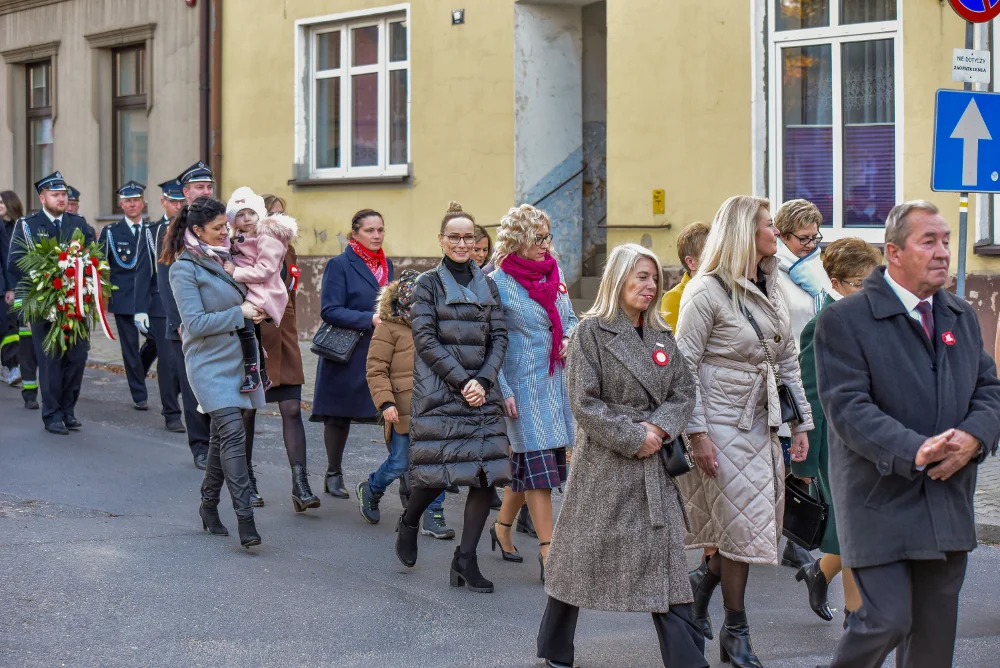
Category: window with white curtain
[834,73]
[357,101]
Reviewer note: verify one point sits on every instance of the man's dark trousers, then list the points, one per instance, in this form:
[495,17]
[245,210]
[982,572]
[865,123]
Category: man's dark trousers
[910,606]
[128,337]
[60,377]
[166,375]
[27,361]
[198,424]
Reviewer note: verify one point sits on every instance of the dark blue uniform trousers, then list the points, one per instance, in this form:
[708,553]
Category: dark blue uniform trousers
[60,377]
[198,424]
[128,337]
[166,375]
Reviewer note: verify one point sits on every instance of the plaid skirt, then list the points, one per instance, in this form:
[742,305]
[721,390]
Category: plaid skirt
[544,469]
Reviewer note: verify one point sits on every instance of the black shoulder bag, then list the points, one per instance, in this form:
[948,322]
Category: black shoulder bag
[805,517]
[336,344]
[675,457]
[789,407]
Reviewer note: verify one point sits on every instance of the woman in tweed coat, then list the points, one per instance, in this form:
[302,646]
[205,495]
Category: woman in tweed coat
[533,379]
[619,543]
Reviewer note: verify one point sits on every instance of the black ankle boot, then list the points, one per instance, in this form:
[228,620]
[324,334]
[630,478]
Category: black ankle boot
[703,584]
[210,520]
[335,485]
[816,583]
[251,372]
[248,532]
[302,496]
[734,642]
[465,571]
[256,500]
[406,543]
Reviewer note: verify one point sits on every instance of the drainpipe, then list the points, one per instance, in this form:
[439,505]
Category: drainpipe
[204,82]
[215,102]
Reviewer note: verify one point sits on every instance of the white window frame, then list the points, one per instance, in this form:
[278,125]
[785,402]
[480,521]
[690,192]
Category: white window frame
[306,31]
[835,36]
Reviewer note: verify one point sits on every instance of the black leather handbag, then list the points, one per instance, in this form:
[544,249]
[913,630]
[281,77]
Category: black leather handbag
[675,457]
[336,344]
[805,516]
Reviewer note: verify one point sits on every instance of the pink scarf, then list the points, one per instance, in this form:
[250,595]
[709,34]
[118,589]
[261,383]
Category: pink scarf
[375,261]
[530,274]
[218,253]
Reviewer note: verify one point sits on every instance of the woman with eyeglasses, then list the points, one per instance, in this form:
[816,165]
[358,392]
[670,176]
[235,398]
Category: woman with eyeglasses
[847,262]
[540,320]
[804,285]
[457,430]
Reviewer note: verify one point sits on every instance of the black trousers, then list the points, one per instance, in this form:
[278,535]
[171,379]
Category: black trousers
[28,363]
[156,348]
[197,424]
[60,377]
[128,337]
[909,606]
[227,462]
[8,335]
[682,644]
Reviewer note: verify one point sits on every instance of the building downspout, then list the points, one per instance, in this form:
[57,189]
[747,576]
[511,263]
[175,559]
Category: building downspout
[215,103]
[204,81]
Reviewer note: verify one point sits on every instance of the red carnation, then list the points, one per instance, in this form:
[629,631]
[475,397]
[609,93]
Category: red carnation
[94,260]
[66,326]
[63,256]
[60,307]
[87,299]
[57,283]
[70,271]
[71,314]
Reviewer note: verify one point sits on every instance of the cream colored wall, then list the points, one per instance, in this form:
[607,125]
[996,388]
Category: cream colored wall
[462,120]
[678,113]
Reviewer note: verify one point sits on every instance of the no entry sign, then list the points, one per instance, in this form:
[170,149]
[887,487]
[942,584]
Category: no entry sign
[977,11]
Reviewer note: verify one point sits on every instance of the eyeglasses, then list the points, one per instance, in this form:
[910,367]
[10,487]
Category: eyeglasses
[547,239]
[857,285]
[809,241]
[456,240]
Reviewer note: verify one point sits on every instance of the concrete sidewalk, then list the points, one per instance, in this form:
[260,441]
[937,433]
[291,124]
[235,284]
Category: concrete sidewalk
[107,355]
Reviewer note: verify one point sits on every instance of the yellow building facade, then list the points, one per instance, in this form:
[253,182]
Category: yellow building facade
[588,108]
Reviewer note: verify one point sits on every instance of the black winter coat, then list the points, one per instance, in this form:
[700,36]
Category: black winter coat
[457,335]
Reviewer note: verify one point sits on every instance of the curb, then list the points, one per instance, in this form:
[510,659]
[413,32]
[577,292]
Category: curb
[988,533]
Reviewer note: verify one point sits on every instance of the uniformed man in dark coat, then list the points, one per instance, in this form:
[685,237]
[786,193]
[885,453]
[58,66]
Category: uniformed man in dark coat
[913,405]
[122,244]
[60,377]
[73,206]
[150,317]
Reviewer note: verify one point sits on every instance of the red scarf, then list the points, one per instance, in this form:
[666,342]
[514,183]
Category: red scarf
[375,261]
[530,274]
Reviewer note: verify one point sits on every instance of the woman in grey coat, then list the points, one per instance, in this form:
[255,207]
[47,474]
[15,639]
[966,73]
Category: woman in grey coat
[212,308]
[618,544]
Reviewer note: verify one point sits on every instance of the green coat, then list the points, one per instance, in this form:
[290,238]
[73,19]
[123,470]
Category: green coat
[817,464]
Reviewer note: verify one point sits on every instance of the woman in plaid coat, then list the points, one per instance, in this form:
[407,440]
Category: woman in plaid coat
[540,320]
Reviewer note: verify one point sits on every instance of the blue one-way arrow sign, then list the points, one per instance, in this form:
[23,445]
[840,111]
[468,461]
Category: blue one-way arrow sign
[966,155]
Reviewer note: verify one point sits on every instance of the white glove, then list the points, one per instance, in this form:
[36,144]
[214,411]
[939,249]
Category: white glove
[141,321]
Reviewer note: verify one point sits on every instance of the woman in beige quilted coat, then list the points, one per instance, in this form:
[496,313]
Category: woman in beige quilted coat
[618,544]
[735,496]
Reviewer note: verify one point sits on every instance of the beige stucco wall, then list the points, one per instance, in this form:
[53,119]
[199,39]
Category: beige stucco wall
[462,128]
[81,153]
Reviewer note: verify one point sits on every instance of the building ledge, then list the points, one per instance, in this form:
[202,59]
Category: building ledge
[347,181]
[987,249]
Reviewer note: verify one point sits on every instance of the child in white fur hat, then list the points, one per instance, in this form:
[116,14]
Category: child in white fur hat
[259,242]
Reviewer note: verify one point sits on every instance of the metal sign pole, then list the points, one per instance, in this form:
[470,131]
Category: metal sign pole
[963,199]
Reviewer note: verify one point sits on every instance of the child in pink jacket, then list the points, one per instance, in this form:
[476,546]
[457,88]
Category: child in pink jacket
[259,241]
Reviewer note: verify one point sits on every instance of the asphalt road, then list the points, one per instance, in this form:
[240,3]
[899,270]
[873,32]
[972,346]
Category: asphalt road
[103,563]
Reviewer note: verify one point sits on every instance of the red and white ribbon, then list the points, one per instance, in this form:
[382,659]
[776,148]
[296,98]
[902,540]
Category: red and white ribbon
[95,274]
[79,284]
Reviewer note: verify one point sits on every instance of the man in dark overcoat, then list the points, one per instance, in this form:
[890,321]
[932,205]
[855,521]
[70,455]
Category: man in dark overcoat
[60,376]
[913,405]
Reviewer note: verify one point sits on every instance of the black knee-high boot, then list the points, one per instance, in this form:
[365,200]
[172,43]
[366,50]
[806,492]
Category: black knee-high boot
[251,370]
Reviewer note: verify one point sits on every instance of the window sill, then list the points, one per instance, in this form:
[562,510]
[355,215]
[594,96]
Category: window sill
[987,249]
[348,180]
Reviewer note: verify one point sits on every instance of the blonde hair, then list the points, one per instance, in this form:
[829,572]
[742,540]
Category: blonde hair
[621,262]
[796,214]
[518,229]
[732,243]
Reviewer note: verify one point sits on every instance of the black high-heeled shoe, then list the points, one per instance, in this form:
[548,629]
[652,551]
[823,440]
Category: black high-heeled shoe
[211,522]
[817,585]
[734,642]
[494,541]
[541,560]
[334,485]
[703,585]
[248,533]
[465,571]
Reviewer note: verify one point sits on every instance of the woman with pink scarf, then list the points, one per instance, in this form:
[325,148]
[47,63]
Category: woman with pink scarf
[540,320]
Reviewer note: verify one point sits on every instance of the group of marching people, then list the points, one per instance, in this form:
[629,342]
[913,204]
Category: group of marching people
[755,372]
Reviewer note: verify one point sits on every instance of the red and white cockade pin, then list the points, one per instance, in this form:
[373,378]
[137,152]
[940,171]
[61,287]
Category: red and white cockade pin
[562,288]
[661,358]
[948,338]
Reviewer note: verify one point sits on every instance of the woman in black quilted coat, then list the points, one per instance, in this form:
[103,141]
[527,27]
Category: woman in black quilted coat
[457,430]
